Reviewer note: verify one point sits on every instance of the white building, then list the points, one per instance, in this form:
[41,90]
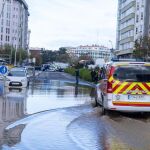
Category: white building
[14,23]
[94,51]
[133,22]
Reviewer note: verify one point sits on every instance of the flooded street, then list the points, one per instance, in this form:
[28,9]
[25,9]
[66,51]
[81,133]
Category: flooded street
[55,114]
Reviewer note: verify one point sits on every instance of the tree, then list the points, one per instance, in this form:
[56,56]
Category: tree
[21,55]
[62,50]
[63,58]
[88,59]
[60,56]
[8,52]
[6,49]
[142,48]
[48,56]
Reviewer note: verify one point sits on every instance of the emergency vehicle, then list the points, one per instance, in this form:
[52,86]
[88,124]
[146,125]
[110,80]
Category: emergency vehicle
[125,87]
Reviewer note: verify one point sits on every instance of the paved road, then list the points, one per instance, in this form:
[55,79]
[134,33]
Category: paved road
[60,116]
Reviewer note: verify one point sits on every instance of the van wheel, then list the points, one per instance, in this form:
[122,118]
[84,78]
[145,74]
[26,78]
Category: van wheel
[103,108]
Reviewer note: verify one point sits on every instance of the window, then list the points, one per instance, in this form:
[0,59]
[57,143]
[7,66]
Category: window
[1,29]
[7,31]
[136,31]
[135,73]
[2,22]
[137,7]
[1,37]
[137,18]
[142,16]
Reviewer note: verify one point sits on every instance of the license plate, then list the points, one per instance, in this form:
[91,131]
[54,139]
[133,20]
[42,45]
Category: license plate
[135,97]
[15,83]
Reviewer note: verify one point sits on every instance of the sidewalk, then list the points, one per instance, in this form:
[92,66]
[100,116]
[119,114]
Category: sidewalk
[81,81]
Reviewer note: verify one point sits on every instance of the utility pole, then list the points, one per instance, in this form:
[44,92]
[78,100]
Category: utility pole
[21,36]
[112,49]
[15,57]
[29,33]
[111,44]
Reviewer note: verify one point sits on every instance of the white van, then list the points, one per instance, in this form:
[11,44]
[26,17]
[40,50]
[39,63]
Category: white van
[125,87]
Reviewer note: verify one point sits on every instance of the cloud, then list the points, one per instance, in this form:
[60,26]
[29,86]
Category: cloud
[56,23]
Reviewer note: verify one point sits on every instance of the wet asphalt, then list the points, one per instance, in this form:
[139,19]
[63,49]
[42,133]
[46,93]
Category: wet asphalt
[55,114]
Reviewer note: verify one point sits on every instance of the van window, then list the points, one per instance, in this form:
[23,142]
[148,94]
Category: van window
[136,73]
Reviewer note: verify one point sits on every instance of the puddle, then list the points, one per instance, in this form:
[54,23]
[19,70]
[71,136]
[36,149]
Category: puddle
[39,97]
[57,94]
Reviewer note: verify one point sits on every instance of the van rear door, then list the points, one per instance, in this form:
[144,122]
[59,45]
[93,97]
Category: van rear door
[131,83]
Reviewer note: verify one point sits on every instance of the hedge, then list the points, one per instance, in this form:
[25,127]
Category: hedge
[85,74]
[70,70]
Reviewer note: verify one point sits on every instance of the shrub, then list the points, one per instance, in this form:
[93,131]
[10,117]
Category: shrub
[70,70]
[85,74]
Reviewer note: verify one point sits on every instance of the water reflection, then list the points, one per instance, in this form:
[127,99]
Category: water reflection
[76,90]
[15,102]
[1,88]
[55,94]
[42,96]
[12,107]
[58,88]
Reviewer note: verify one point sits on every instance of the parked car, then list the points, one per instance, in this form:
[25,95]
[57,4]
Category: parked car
[38,68]
[45,67]
[17,77]
[125,87]
[59,69]
[52,69]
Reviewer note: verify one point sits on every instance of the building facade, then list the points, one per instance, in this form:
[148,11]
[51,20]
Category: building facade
[14,23]
[133,23]
[94,51]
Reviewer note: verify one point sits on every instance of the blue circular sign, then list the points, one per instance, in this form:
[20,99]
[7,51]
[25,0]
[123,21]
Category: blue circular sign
[3,69]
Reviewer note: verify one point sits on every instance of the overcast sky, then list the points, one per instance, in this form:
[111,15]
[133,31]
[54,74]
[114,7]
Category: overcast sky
[57,23]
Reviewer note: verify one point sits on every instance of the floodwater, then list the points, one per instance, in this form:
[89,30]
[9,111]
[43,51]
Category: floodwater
[58,115]
[49,109]
[54,94]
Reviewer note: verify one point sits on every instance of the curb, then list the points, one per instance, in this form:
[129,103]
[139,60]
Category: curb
[80,80]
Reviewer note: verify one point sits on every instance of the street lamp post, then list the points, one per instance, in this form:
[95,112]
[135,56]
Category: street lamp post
[112,49]
[111,44]
[15,57]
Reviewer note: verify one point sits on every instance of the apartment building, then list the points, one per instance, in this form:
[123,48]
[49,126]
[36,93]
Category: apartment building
[94,51]
[14,23]
[133,22]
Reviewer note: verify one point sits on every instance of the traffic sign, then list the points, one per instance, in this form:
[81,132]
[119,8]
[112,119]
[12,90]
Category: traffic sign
[3,70]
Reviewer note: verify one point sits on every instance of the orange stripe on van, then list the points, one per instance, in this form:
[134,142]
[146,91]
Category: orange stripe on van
[137,104]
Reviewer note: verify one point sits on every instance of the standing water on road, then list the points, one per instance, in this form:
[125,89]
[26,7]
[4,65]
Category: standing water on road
[55,114]
[52,106]
[57,94]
